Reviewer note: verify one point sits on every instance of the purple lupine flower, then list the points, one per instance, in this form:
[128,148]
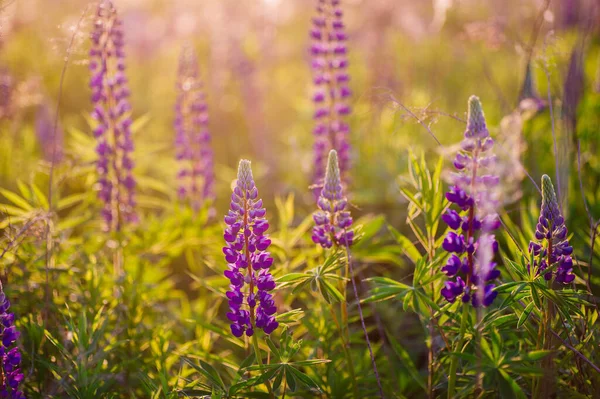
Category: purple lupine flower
[10,356]
[192,140]
[551,248]
[332,93]
[248,259]
[332,221]
[112,113]
[51,142]
[470,242]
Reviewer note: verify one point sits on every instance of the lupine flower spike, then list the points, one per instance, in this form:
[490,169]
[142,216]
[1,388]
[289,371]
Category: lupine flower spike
[192,140]
[332,221]
[551,248]
[329,65]
[248,259]
[112,112]
[473,220]
[10,356]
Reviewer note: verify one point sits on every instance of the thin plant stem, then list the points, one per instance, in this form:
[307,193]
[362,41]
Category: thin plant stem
[362,318]
[461,340]
[260,363]
[345,345]
[49,261]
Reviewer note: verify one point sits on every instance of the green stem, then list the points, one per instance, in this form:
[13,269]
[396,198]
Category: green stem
[260,363]
[461,340]
[346,354]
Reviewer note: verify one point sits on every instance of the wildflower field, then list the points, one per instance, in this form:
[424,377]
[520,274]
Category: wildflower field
[299,199]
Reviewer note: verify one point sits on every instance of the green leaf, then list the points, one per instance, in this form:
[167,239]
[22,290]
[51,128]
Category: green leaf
[406,361]
[406,245]
[208,371]
[16,199]
[525,314]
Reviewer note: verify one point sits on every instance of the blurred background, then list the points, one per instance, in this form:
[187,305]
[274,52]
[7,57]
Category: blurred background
[413,66]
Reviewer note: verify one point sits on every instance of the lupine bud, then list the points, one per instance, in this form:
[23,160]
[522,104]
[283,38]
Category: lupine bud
[113,120]
[552,247]
[529,100]
[332,221]
[193,139]
[329,64]
[248,259]
[10,356]
[470,243]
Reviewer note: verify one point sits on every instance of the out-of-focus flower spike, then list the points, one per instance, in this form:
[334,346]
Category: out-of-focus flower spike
[112,113]
[332,93]
[50,140]
[192,137]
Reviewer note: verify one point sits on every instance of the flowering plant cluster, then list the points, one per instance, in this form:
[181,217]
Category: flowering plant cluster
[467,267]
[110,96]
[248,259]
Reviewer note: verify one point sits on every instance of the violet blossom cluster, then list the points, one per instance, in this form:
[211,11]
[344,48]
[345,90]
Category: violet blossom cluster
[471,245]
[332,221]
[330,77]
[112,113]
[248,259]
[10,356]
[551,248]
[192,139]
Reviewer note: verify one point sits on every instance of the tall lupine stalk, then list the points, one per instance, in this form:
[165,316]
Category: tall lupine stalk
[112,112]
[10,356]
[192,140]
[471,244]
[330,78]
[551,254]
[332,227]
[249,262]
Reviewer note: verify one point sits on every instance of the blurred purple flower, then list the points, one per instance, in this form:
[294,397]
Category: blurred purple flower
[330,77]
[248,259]
[470,264]
[9,353]
[112,112]
[332,220]
[551,247]
[50,143]
[192,140]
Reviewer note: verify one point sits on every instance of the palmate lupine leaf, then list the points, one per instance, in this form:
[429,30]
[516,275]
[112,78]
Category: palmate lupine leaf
[282,367]
[321,279]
